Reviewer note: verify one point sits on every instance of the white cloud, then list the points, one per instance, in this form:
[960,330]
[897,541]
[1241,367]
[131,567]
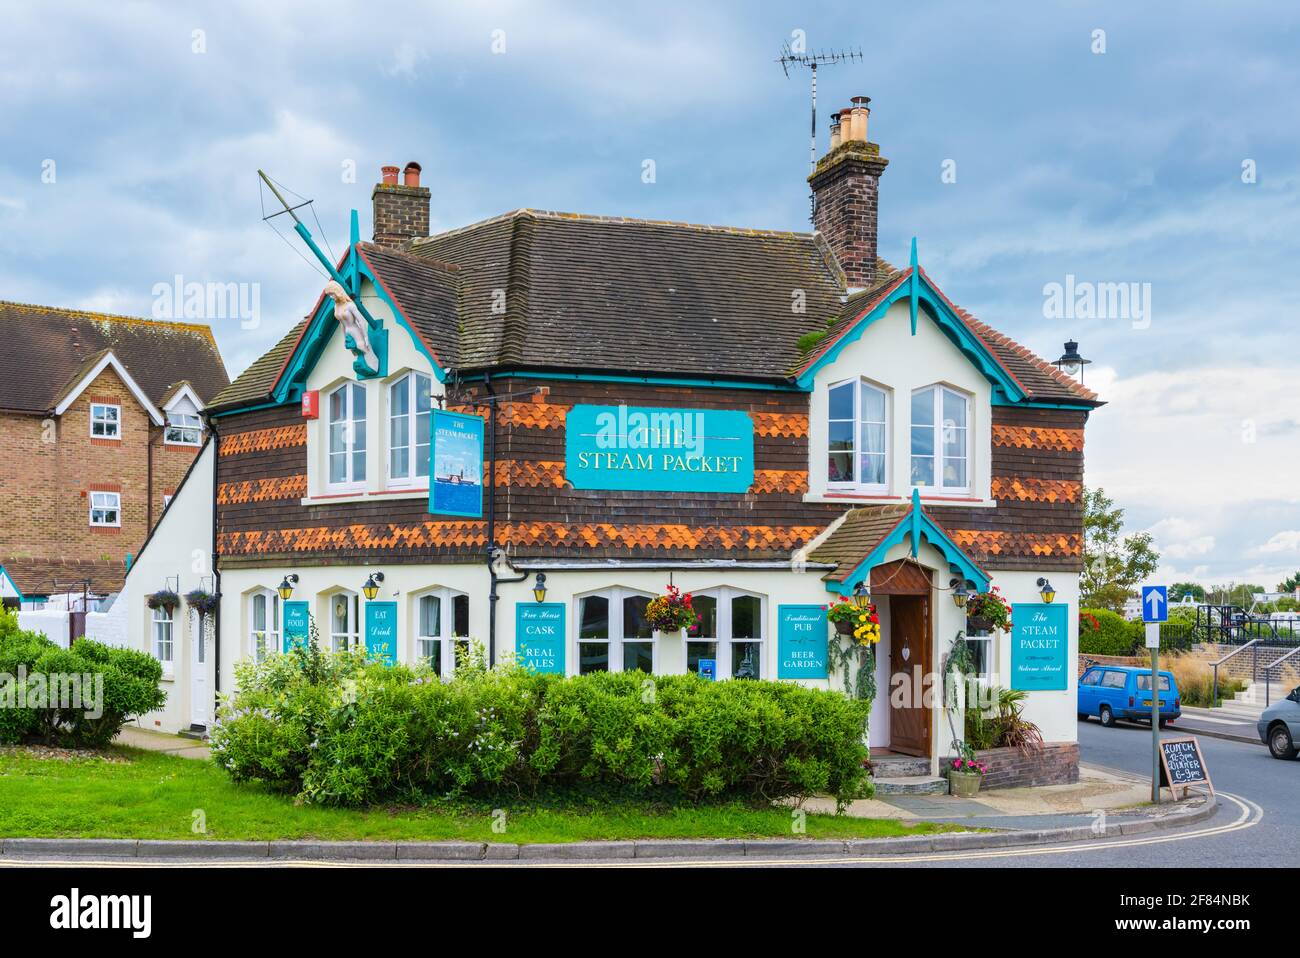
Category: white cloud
[1285,541]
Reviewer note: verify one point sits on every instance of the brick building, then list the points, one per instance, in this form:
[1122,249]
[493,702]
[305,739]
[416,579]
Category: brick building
[767,419]
[100,418]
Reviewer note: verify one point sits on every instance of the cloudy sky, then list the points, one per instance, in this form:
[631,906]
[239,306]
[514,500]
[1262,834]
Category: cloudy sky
[1107,142]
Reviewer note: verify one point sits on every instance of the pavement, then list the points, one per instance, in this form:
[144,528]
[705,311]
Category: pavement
[1217,723]
[152,741]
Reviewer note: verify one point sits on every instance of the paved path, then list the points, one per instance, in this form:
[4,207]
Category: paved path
[151,741]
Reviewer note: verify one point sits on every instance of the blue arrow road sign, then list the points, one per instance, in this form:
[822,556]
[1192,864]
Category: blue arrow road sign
[1155,603]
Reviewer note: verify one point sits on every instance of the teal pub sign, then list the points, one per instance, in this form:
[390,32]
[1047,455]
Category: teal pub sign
[381,631]
[1040,641]
[540,636]
[658,449]
[801,642]
[297,624]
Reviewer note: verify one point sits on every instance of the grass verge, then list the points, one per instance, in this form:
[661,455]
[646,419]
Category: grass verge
[152,795]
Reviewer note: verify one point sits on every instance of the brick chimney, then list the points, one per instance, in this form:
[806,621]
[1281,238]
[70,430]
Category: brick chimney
[845,185]
[401,209]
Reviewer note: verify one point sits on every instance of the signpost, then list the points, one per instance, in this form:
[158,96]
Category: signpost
[1182,765]
[1155,609]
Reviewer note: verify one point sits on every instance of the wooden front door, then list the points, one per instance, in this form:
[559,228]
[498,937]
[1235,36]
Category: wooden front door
[909,662]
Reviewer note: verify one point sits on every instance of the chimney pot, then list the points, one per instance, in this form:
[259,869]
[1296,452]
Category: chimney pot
[401,210]
[835,130]
[411,175]
[388,175]
[846,192]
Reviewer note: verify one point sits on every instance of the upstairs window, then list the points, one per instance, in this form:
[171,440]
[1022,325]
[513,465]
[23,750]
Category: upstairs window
[105,508]
[183,429]
[347,437]
[409,425]
[858,437]
[941,439]
[105,421]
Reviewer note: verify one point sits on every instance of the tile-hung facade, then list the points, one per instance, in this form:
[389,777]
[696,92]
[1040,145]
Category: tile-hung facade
[100,419]
[814,420]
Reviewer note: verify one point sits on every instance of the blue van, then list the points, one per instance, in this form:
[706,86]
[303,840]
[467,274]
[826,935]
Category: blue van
[1114,692]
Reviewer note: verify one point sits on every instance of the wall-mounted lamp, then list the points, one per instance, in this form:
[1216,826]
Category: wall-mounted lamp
[960,595]
[861,596]
[1046,591]
[286,586]
[539,587]
[371,588]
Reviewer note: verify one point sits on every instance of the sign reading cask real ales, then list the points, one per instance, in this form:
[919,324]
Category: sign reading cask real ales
[659,450]
[540,636]
[1040,639]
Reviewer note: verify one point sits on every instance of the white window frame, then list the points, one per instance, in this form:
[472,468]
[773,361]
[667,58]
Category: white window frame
[185,424]
[855,485]
[447,638]
[615,640]
[162,632]
[264,642]
[104,507]
[351,635]
[726,640]
[408,382]
[940,428]
[350,480]
[985,678]
[98,417]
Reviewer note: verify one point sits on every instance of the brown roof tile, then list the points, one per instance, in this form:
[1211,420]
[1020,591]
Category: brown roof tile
[43,577]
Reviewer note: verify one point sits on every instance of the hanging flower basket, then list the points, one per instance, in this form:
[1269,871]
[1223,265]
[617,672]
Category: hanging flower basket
[672,612]
[202,602]
[862,625]
[844,627]
[986,611]
[163,599]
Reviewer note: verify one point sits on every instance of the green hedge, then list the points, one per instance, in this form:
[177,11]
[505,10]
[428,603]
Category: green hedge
[335,729]
[1114,635]
[113,686]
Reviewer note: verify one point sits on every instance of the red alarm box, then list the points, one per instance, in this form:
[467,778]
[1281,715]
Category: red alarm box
[311,404]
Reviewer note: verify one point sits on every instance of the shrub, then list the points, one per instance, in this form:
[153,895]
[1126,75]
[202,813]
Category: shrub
[1113,635]
[36,669]
[1195,680]
[335,729]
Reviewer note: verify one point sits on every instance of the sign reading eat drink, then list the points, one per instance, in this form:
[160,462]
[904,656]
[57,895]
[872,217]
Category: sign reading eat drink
[381,631]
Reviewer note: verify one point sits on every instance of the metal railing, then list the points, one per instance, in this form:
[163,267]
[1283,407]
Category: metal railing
[1253,644]
[1268,673]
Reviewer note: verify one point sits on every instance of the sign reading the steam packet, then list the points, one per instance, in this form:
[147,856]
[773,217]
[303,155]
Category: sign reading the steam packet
[1040,638]
[297,624]
[540,636]
[381,631]
[659,450]
[801,642]
[456,488]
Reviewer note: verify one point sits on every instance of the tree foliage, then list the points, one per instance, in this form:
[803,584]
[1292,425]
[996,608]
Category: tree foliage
[1113,562]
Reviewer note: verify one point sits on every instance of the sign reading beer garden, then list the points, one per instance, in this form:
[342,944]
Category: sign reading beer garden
[801,642]
[659,450]
[1040,639]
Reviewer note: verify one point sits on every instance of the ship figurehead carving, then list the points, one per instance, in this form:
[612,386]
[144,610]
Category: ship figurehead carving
[356,330]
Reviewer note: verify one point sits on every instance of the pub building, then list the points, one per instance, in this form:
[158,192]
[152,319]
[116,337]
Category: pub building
[518,432]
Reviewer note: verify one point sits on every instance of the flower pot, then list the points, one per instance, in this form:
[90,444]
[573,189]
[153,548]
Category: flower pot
[977,623]
[844,627]
[964,784]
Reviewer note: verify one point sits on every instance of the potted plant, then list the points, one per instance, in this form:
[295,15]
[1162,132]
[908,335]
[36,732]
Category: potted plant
[965,774]
[986,611]
[163,599]
[202,601]
[672,611]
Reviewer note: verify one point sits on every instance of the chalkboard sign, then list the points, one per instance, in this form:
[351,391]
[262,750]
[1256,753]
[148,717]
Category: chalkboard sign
[1182,765]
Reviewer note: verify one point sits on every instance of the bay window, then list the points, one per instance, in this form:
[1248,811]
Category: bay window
[347,435]
[613,633]
[409,425]
[858,436]
[264,622]
[442,630]
[941,439]
[730,633]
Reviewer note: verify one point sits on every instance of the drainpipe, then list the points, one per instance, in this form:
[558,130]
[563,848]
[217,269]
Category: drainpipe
[491,517]
[216,571]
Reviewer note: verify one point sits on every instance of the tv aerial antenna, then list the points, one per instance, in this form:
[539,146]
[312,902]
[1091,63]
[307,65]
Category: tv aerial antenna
[789,59]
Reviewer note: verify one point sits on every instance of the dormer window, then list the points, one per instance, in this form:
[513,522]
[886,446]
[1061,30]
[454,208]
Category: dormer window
[941,439]
[858,437]
[183,429]
[409,424]
[347,436]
